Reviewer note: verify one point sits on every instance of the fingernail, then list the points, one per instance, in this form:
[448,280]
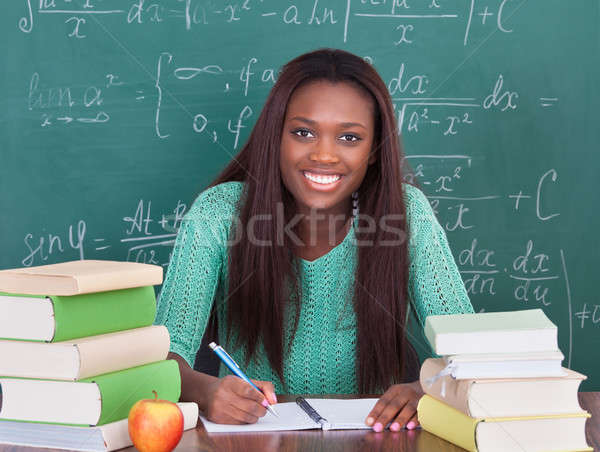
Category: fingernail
[410,425]
[275,397]
[370,421]
[378,427]
[395,427]
[265,403]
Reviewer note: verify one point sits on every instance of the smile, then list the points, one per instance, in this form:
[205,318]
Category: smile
[322,179]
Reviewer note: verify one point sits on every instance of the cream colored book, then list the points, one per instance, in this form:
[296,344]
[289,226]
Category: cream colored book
[105,438]
[79,277]
[504,397]
[86,357]
[550,433]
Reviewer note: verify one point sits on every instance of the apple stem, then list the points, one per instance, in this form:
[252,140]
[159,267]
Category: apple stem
[155,394]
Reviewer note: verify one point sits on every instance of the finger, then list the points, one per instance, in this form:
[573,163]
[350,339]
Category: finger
[408,412]
[251,407]
[241,415]
[228,413]
[413,422]
[224,418]
[376,410]
[391,410]
[267,389]
[245,390]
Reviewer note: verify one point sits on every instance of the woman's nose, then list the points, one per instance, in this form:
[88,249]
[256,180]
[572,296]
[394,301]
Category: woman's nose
[324,151]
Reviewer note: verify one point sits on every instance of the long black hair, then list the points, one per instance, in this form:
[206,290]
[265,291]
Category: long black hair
[381,280]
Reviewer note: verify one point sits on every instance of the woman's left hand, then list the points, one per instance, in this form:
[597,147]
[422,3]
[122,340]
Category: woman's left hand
[398,406]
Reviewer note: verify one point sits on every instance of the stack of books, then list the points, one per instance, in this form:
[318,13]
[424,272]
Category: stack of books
[78,350]
[499,384]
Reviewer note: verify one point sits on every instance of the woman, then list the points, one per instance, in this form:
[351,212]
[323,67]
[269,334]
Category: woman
[309,249]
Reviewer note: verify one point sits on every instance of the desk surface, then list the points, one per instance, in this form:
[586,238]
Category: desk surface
[346,440]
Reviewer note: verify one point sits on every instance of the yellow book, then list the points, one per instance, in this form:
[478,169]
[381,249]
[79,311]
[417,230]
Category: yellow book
[552,433]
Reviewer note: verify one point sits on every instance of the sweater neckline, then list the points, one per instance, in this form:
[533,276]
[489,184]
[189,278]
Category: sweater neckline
[343,244]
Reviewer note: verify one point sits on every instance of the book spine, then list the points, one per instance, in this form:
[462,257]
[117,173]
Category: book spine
[447,423]
[91,314]
[456,392]
[121,390]
[133,275]
[122,350]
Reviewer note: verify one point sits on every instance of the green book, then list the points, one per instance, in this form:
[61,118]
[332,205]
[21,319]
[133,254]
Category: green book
[90,402]
[491,332]
[55,318]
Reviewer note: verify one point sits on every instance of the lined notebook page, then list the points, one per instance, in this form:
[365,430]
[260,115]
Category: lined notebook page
[341,414]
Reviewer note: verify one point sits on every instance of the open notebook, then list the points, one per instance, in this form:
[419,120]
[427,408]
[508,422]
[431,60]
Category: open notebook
[340,414]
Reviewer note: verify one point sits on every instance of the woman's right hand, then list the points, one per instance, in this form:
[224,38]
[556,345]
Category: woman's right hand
[230,400]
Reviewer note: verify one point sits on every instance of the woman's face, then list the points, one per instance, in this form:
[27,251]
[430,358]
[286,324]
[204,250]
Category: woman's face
[326,144]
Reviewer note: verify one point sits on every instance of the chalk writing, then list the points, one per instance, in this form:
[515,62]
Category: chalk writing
[165,93]
[409,15]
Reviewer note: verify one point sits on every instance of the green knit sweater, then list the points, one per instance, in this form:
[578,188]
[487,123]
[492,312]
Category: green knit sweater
[322,355]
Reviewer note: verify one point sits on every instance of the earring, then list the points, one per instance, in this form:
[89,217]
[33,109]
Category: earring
[355,204]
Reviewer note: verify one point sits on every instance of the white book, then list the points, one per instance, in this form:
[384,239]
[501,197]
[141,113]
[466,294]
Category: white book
[506,365]
[491,332]
[106,438]
[340,414]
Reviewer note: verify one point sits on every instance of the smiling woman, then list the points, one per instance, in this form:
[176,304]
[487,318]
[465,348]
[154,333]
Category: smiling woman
[326,147]
[309,251]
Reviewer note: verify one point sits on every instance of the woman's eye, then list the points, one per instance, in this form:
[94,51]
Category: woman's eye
[349,137]
[304,133]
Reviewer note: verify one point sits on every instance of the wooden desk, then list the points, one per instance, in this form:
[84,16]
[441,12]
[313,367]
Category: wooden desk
[346,440]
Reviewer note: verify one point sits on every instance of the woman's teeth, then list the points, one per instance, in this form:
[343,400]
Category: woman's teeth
[320,179]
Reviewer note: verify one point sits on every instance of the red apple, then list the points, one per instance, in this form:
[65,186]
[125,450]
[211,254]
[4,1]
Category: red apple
[155,425]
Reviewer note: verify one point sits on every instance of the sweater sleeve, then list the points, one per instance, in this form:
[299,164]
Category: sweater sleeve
[193,275]
[435,284]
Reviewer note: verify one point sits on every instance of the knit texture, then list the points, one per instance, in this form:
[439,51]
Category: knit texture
[322,357]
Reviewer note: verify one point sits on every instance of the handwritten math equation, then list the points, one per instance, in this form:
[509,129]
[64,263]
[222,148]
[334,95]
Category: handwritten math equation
[418,105]
[145,237]
[405,18]
[90,104]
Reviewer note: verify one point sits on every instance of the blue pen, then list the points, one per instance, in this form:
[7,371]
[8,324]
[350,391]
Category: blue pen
[232,365]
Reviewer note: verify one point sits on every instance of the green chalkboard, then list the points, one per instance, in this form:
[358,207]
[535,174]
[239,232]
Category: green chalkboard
[115,114]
